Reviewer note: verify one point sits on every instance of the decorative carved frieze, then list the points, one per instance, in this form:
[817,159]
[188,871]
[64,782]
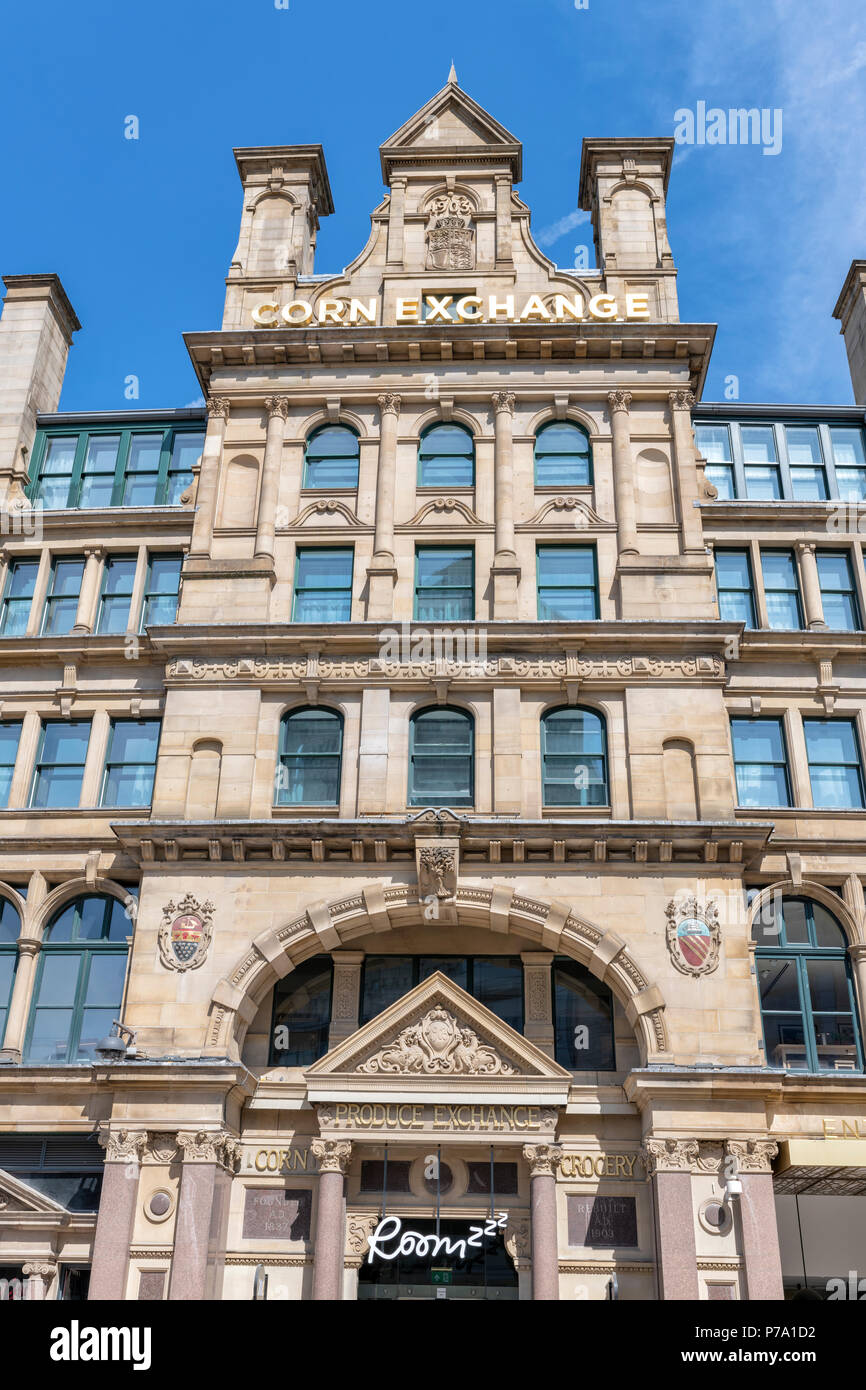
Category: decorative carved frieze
[334,1155]
[438,1045]
[543,1159]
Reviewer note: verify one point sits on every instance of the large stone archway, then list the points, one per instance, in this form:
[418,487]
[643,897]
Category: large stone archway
[325,927]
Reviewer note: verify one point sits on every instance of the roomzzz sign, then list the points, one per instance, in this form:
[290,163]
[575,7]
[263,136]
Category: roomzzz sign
[390,1229]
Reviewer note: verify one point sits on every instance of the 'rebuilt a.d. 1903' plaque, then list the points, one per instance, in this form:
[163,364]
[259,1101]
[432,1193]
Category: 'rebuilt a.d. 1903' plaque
[602,1221]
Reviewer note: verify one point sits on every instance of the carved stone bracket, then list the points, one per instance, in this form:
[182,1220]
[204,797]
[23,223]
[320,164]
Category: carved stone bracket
[358,1231]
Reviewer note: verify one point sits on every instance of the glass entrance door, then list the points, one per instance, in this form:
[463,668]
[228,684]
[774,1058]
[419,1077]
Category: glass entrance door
[486,1272]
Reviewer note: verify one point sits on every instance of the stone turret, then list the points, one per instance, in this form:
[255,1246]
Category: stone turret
[851,312]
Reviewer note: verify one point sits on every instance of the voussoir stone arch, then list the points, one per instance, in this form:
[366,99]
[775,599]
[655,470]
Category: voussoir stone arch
[78,888]
[807,888]
[324,927]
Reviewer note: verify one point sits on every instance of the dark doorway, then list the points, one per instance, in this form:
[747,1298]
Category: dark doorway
[486,1273]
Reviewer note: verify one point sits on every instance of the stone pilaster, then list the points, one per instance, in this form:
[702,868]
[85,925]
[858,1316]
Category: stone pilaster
[757,1207]
[88,597]
[813,607]
[208,480]
[505,572]
[346,995]
[205,1155]
[382,572]
[623,472]
[668,1164]
[278,411]
[114,1223]
[686,470]
[539,1002]
[542,1160]
[334,1156]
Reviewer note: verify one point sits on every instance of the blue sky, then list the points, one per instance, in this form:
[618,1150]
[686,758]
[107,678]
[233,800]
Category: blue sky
[142,232]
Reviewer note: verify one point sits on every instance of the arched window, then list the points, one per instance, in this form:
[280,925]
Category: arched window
[311,748]
[441,758]
[331,457]
[807,994]
[582,1017]
[10,930]
[79,980]
[573,758]
[446,457]
[562,456]
[302,1014]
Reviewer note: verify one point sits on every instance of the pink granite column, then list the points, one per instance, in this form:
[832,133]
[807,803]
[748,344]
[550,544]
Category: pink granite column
[110,1261]
[668,1164]
[758,1230]
[203,1154]
[544,1235]
[329,1245]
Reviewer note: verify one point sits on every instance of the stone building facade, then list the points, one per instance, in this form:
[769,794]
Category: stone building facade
[433,777]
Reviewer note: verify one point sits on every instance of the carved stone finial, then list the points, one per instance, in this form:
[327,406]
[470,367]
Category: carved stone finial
[543,1159]
[334,1155]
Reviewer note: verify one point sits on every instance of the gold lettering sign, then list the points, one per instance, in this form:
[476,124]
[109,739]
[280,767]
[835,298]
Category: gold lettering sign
[452,1119]
[591,1166]
[836,1127]
[291,1160]
[468,309]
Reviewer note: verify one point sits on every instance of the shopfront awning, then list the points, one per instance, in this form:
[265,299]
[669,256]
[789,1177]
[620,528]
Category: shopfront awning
[821,1167]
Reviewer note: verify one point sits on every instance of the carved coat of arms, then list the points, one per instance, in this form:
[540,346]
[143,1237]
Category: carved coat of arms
[693,935]
[185,933]
[450,238]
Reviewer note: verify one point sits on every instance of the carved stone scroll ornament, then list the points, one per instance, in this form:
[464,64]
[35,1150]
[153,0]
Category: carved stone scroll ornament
[543,1159]
[450,237]
[669,1155]
[437,1046]
[333,1155]
[358,1232]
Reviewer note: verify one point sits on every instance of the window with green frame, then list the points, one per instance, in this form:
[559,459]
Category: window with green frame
[562,455]
[446,457]
[806,990]
[441,758]
[61,601]
[495,981]
[112,466]
[78,990]
[301,1017]
[10,930]
[118,578]
[161,589]
[18,597]
[444,583]
[311,747]
[59,769]
[10,735]
[567,583]
[323,585]
[130,762]
[573,757]
[331,458]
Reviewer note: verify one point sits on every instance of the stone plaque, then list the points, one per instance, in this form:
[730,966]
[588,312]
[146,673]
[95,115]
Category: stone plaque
[276,1213]
[602,1221]
[151,1286]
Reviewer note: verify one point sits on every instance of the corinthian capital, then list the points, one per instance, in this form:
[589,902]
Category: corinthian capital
[543,1159]
[669,1155]
[218,406]
[277,405]
[618,400]
[753,1155]
[389,403]
[123,1145]
[503,401]
[333,1154]
[681,400]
